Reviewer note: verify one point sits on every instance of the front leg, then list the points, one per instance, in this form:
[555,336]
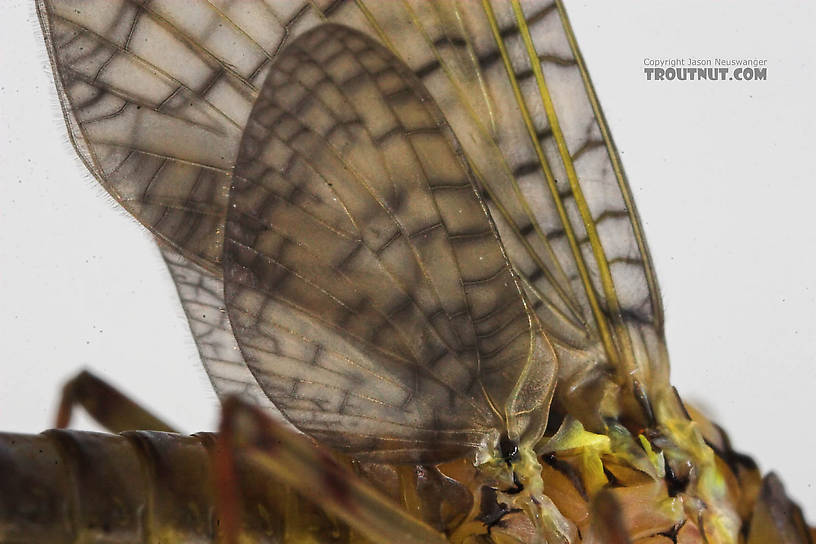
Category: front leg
[250,437]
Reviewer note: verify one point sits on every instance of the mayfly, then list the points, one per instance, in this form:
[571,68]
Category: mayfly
[430,263]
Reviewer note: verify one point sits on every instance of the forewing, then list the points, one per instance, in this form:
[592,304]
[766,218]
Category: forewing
[364,279]
[509,79]
[156,94]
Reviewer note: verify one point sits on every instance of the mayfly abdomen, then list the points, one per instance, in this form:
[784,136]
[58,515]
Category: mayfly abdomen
[137,487]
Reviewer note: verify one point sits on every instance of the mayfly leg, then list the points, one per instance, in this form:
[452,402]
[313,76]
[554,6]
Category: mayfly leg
[109,407]
[296,461]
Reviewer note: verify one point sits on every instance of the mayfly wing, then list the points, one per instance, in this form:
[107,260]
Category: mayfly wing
[512,84]
[364,280]
[202,297]
[156,95]
[532,132]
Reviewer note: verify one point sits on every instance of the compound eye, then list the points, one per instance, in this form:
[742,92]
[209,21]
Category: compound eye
[508,448]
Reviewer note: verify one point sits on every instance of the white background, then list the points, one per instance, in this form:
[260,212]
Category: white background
[722,174]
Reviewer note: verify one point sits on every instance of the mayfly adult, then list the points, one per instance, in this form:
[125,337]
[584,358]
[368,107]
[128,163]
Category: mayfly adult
[430,264]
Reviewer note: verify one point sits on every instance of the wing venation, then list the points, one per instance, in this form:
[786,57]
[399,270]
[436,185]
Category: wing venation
[157,96]
[384,258]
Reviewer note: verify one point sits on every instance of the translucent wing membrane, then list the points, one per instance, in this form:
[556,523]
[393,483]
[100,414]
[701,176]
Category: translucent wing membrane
[366,284]
[202,297]
[157,94]
[512,85]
